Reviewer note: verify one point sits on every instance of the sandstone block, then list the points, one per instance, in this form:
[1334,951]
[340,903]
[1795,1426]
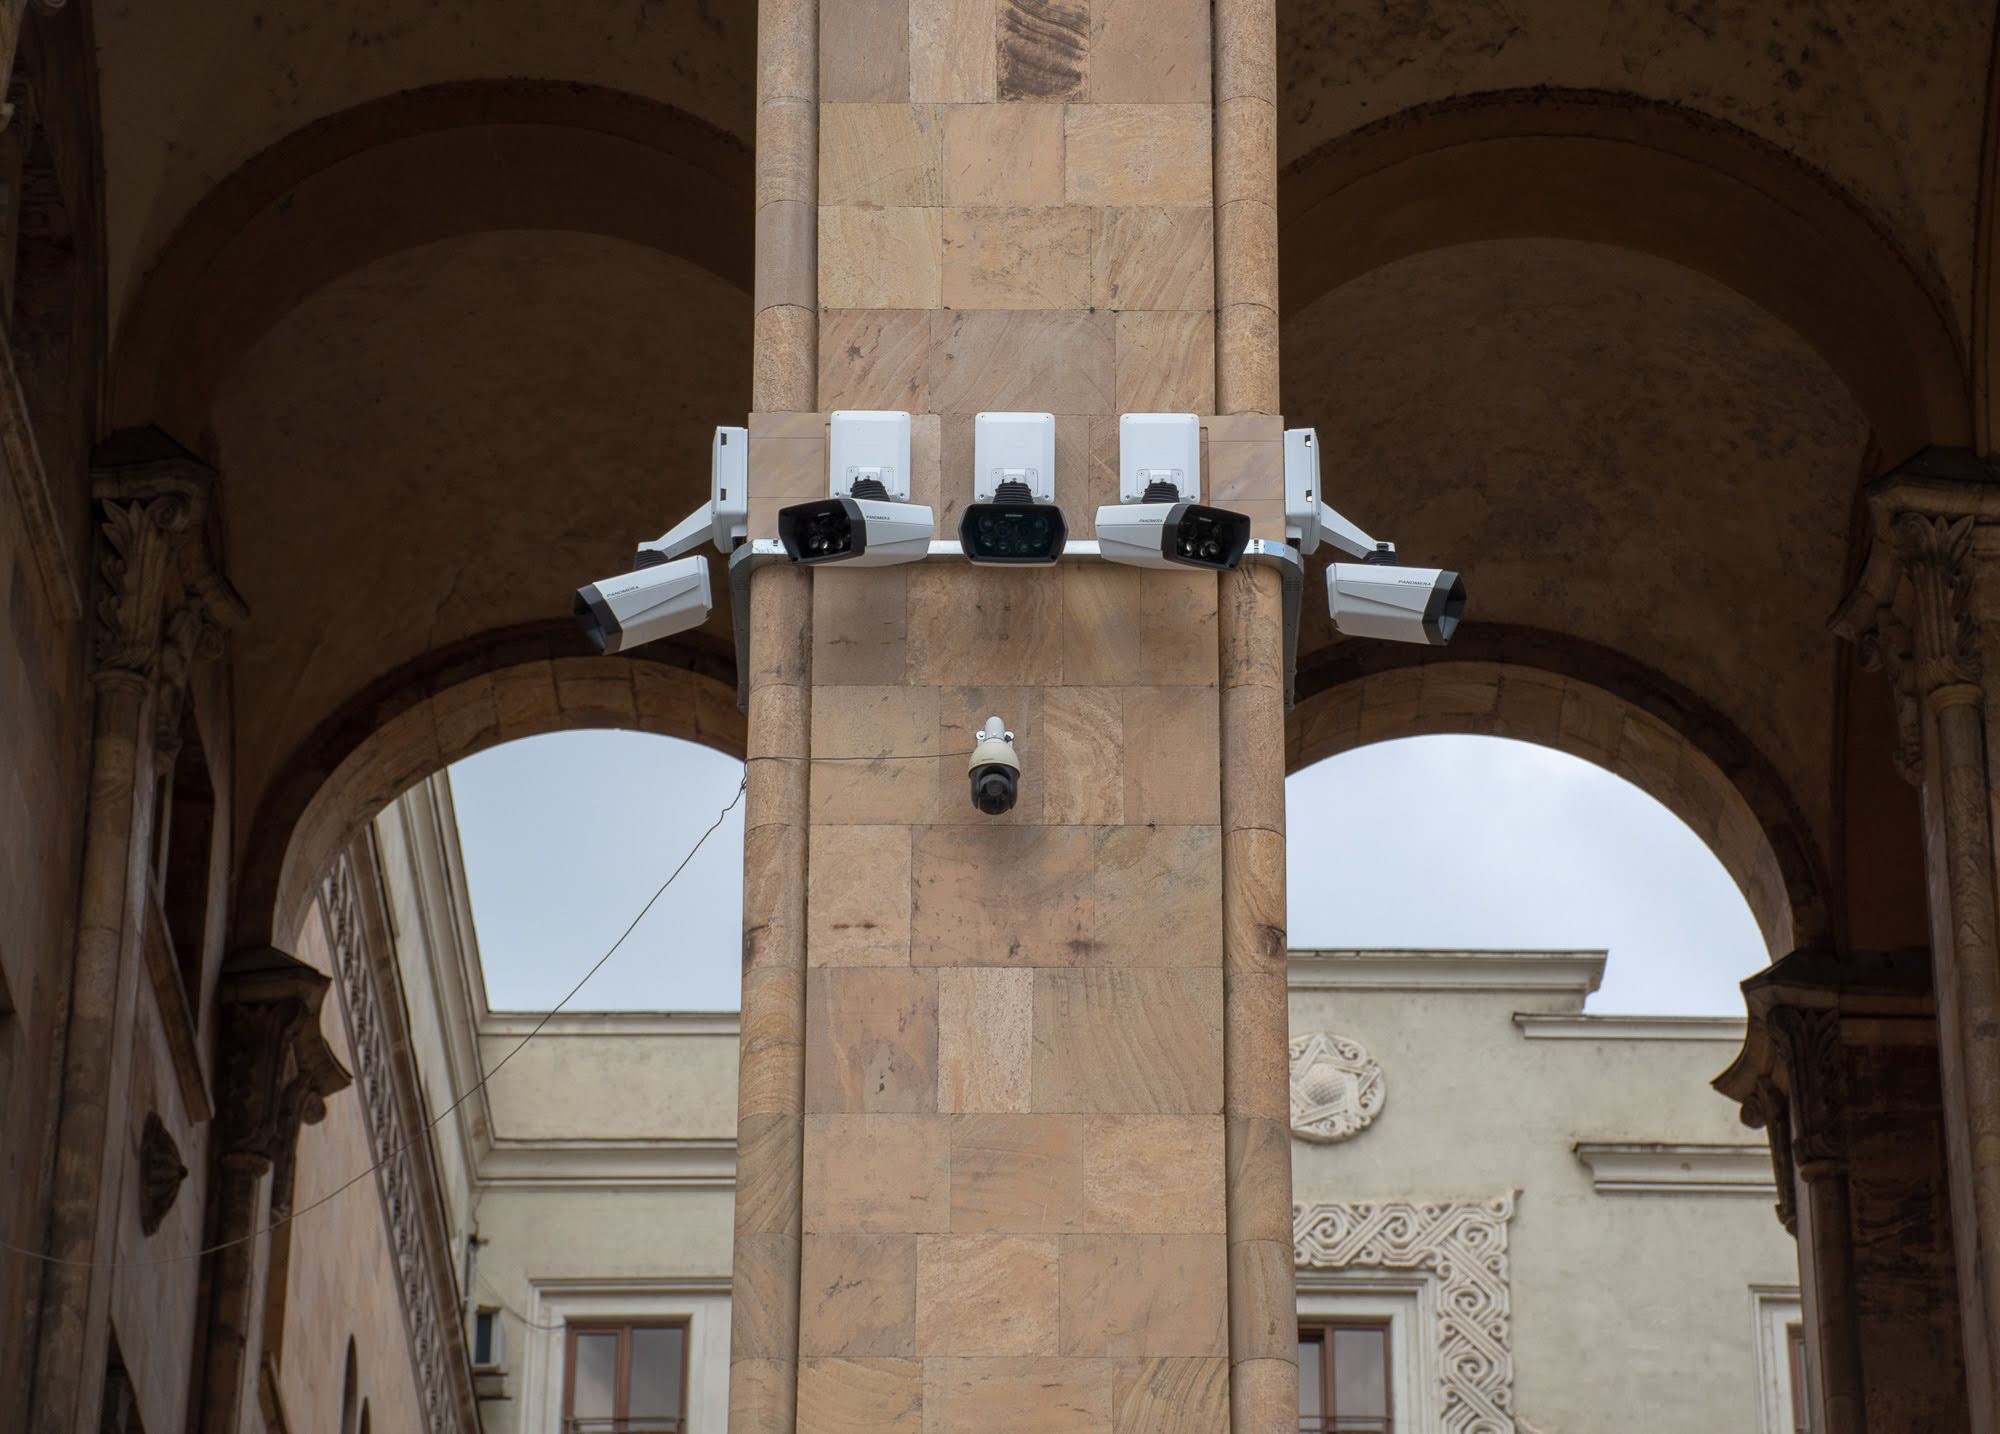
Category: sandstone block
[861,1396]
[1016,1173]
[871,1040]
[986,1295]
[1159,890]
[1166,361]
[1142,1041]
[1171,1396]
[1188,790]
[985,1043]
[1009,155]
[784,265]
[864,51]
[964,914]
[1021,1396]
[858,1295]
[859,904]
[880,156]
[1035,360]
[952,50]
[859,626]
[1144,1295]
[875,358]
[1000,623]
[879,258]
[877,1174]
[1083,752]
[1017,258]
[1044,48]
[764,1284]
[1154,258]
[1153,1174]
[1136,154]
[1149,51]
[895,724]
[1263,1305]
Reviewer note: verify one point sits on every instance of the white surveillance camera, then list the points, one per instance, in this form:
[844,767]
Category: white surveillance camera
[1157,522]
[866,519]
[1398,604]
[1013,519]
[995,770]
[725,518]
[1375,597]
[657,600]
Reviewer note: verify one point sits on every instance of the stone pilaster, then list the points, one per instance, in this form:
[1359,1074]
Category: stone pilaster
[1012,1122]
[1922,613]
[154,569]
[276,1073]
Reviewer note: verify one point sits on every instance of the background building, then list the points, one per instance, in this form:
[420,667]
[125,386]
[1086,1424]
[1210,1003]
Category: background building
[1549,1214]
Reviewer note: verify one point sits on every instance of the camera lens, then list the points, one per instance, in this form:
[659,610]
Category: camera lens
[1012,532]
[1208,537]
[817,532]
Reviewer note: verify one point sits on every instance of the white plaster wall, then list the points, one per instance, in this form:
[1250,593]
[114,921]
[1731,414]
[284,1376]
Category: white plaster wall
[1621,1303]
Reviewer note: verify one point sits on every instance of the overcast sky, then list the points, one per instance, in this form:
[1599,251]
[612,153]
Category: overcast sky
[1458,842]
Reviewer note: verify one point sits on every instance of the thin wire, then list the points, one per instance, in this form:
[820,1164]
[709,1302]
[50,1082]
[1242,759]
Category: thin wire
[501,1303]
[470,1091]
[885,757]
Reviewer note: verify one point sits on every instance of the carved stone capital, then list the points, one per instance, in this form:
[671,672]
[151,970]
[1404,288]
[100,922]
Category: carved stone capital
[1766,1109]
[277,1068]
[1807,1041]
[1911,613]
[160,590]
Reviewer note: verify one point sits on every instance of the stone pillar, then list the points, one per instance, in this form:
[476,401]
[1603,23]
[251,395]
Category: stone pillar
[1012,1141]
[277,1071]
[159,591]
[1922,613]
[1839,1066]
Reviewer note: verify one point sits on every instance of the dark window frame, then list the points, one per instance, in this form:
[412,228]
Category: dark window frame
[625,1422]
[1320,1332]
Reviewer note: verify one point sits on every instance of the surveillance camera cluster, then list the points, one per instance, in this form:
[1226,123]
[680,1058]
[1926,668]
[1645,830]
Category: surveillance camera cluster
[868,520]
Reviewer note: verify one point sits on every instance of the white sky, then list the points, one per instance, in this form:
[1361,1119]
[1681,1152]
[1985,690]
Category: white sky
[1460,842]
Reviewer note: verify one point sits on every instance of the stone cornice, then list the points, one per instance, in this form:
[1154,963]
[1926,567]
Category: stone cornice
[1639,1168]
[1577,972]
[1542,1026]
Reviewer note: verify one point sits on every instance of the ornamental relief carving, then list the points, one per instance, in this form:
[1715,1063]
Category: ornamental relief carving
[1461,1245]
[1337,1088]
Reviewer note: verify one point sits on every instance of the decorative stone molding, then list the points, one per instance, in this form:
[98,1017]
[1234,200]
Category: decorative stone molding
[1337,1088]
[1463,1245]
[1808,1044]
[277,1069]
[398,1140]
[1565,971]
[1660,1169]
[161,1171]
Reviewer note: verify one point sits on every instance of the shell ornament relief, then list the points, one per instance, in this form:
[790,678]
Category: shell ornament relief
[1337,1088]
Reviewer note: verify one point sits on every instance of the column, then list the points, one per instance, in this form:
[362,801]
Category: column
[1920,614]
[1012,1135]
[277,1071]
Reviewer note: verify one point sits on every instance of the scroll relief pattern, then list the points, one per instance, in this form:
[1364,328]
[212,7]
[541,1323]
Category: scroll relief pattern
[1337,1088]
[398,1179]
[1463,1246]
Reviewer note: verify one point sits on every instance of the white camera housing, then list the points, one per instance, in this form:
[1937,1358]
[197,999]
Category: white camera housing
[1157,448]
[1308,519]
[1396,604]
[725,518]
[995,770]
[658,600]
[868,444]
[1014,448]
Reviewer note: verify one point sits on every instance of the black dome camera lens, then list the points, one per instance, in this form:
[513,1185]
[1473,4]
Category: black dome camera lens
[1012,532]
[1205,537]
[822,531]
[994,789]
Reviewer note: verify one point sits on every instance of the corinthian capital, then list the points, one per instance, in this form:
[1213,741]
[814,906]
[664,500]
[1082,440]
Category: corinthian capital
[161,592]
[1911,614]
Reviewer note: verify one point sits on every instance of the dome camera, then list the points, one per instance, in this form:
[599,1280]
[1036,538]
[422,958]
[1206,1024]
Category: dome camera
[995,770]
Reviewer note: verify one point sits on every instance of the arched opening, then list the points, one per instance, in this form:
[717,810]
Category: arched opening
[1487,843]
[567,838]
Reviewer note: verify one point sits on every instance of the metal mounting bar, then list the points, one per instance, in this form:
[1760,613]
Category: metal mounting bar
[1292,572]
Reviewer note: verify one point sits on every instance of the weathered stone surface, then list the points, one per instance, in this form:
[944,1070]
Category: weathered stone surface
[952,50]
[1040,915]
[857,1295]
[860,1396]
[1016,1173]
[1153,1174]
[985,1045]
[1161,890]
[1149,51]
[1154,258]
[864,52]
[877,1174]
[871,1040]
[1053,361]
[1136,154]
[1140,1041]
[1170,1396]
[986,1295]
[859,903]
[1044,49]
[1039,1396]
[880,156]
[1136,1295]
[1017,258]
[875,358]
[1003,154]
[879,258]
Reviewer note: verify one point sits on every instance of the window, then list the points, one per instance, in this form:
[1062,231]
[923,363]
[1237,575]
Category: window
[486,1339]
[1344,1378]
[625,1379]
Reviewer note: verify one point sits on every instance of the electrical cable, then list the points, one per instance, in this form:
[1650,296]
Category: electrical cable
[470,1091]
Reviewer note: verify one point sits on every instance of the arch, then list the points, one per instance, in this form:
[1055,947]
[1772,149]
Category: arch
[1593,703]
[446,706]
[1615,169]
[428,164]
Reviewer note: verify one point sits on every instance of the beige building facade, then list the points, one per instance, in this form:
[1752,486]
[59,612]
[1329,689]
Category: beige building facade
[1552,1216]
[342,342]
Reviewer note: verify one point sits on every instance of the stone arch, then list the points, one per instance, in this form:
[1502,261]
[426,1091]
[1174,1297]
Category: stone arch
[447,706]
[1615,169]
[428,164]
[1595,704]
